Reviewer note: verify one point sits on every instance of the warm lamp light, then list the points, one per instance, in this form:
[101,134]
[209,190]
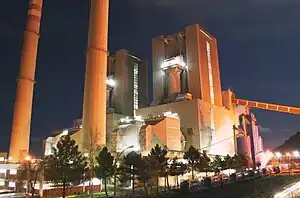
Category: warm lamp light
[278,155]
[27,158]
[296,153]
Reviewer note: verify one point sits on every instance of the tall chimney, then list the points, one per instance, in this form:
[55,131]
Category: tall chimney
[20,135]
[94,101]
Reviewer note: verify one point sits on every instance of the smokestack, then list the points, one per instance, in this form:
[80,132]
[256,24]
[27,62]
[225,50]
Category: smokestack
[94,101]
[20,135]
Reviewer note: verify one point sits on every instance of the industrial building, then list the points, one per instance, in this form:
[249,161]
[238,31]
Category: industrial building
[126,91]
[186,62]
[186,82]
[127,83]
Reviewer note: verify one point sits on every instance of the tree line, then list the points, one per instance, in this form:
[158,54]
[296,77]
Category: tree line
[68,166]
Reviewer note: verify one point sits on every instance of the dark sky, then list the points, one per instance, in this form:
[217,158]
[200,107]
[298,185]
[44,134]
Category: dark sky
[258,48]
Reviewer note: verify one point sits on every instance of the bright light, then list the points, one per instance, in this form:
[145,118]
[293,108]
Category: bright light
[110,82]
[138,118]
[173,62]
[11,184]
[13,171]
[126,119]
[278,155]
[170,114]
[65,132]
[287,191]
[288,154]
[85,154]
[27,158]
[296,153]
[269,154]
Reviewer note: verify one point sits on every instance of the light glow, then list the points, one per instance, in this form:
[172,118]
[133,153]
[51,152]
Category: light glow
[65,132]
[169,114]
[173,62]
[287,191]
[278,155]
[110,82]
[296,153]
[13,171]
[11,184]
[27,158]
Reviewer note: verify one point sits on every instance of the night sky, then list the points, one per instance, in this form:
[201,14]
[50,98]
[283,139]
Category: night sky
[258,49]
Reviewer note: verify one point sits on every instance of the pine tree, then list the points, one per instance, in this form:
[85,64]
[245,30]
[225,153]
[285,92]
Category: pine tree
[129,167]
[193,157]
[176,169]
[159,162]
[66,166]
[104,170]
[144,172]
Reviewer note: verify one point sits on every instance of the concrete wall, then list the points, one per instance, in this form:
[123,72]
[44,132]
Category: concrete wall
[195,122]
[158,57]
[122,93]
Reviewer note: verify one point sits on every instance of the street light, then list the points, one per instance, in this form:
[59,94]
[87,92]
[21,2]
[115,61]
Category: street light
[278,155]
[115,167]
[296,154]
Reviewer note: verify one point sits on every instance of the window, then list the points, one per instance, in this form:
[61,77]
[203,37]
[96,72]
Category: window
[210,74]
[13,171]
[11,184]
[135,87]
[211,90]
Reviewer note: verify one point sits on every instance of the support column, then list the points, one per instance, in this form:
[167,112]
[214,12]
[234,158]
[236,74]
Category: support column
[174,82]
[20,134]
[94,102]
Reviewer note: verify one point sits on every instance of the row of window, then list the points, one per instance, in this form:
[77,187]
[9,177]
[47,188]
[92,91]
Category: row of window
[211,89]
[135,87]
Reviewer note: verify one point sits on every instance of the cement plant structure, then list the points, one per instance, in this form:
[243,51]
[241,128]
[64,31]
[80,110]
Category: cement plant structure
[188,107]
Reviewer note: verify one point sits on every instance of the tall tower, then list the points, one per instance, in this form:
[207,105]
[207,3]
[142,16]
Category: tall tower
[20,135]
[186,62]
[94,101]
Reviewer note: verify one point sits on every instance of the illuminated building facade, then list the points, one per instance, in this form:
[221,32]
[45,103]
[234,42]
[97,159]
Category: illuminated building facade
[186,62]
[195,124]
[126,91]
[127,82]
[143,134]
[186,80]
